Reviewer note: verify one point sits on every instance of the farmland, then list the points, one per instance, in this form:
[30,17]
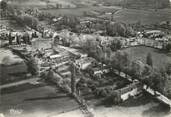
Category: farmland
[12,24]
[160,59]
[45,3]
[80,11]
[146,17]
[128,16]
[28,3]
[145,110]
[12,64]
[56,78]
[35,100]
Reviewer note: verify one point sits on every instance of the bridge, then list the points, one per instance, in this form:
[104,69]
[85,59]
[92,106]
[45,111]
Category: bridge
[158,95]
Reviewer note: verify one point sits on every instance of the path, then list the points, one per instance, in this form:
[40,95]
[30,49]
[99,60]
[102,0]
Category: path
[31,81]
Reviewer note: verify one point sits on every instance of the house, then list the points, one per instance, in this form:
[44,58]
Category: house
[131,90]
[133,42]
[164,39]
[154,33]
[55,56]
[140,41]
[85,62]
[40,43]
[99,72]
[158,44]
[148,42]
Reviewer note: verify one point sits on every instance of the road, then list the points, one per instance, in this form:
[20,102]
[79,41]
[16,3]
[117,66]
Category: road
[31,81]
[153,92]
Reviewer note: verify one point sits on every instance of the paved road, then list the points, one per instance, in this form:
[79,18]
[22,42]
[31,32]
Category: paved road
[31,81]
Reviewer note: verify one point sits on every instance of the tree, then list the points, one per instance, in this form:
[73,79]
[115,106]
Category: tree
[147,71]
[137,68]
[149,60]
[168,47]
[33,67]
[120,61]
[73,80]
[154,80]
[3,5]
[57,5]
[168,68]
[27,20]
[116,45]
[119,29]
[107,54]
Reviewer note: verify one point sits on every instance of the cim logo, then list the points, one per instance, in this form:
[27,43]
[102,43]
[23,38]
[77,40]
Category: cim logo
[15,111]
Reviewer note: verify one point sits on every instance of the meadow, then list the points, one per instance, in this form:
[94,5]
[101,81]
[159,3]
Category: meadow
[146,17]
[93,10]
[36,101]
[160,59]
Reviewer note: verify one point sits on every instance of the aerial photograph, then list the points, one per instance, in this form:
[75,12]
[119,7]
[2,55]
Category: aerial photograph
[85,58]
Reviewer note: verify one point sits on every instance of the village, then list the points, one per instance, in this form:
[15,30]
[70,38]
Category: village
[90,66]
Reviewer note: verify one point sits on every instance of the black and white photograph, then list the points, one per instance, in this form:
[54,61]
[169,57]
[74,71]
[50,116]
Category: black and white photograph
[85,58]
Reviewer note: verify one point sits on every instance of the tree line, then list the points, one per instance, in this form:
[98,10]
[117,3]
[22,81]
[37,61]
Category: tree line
[158,79]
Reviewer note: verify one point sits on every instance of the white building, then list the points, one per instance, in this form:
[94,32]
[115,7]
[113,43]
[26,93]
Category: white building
[84,63]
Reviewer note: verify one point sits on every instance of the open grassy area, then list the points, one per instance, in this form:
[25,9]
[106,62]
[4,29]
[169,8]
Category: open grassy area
[36,101]
[14,68]
[44,3]
[28,3]
[12,24]
[50,3]
[149,16]
[160,59]
[141,107]
[80,11]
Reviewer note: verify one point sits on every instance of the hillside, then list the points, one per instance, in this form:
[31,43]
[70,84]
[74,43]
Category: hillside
[146,17]
[44,3]
[139,3]
[124,3]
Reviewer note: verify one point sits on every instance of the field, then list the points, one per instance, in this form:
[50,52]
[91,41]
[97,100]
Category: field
[92,10]
[28,3]
[144,110]
[160,59]
[35,101]
[46,3]
[129,16]
[141,106]
[144,16]
[12,24]
[14,64]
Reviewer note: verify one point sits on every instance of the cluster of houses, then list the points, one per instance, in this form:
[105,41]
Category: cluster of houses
[152,38]
[13,37]
[53,56]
